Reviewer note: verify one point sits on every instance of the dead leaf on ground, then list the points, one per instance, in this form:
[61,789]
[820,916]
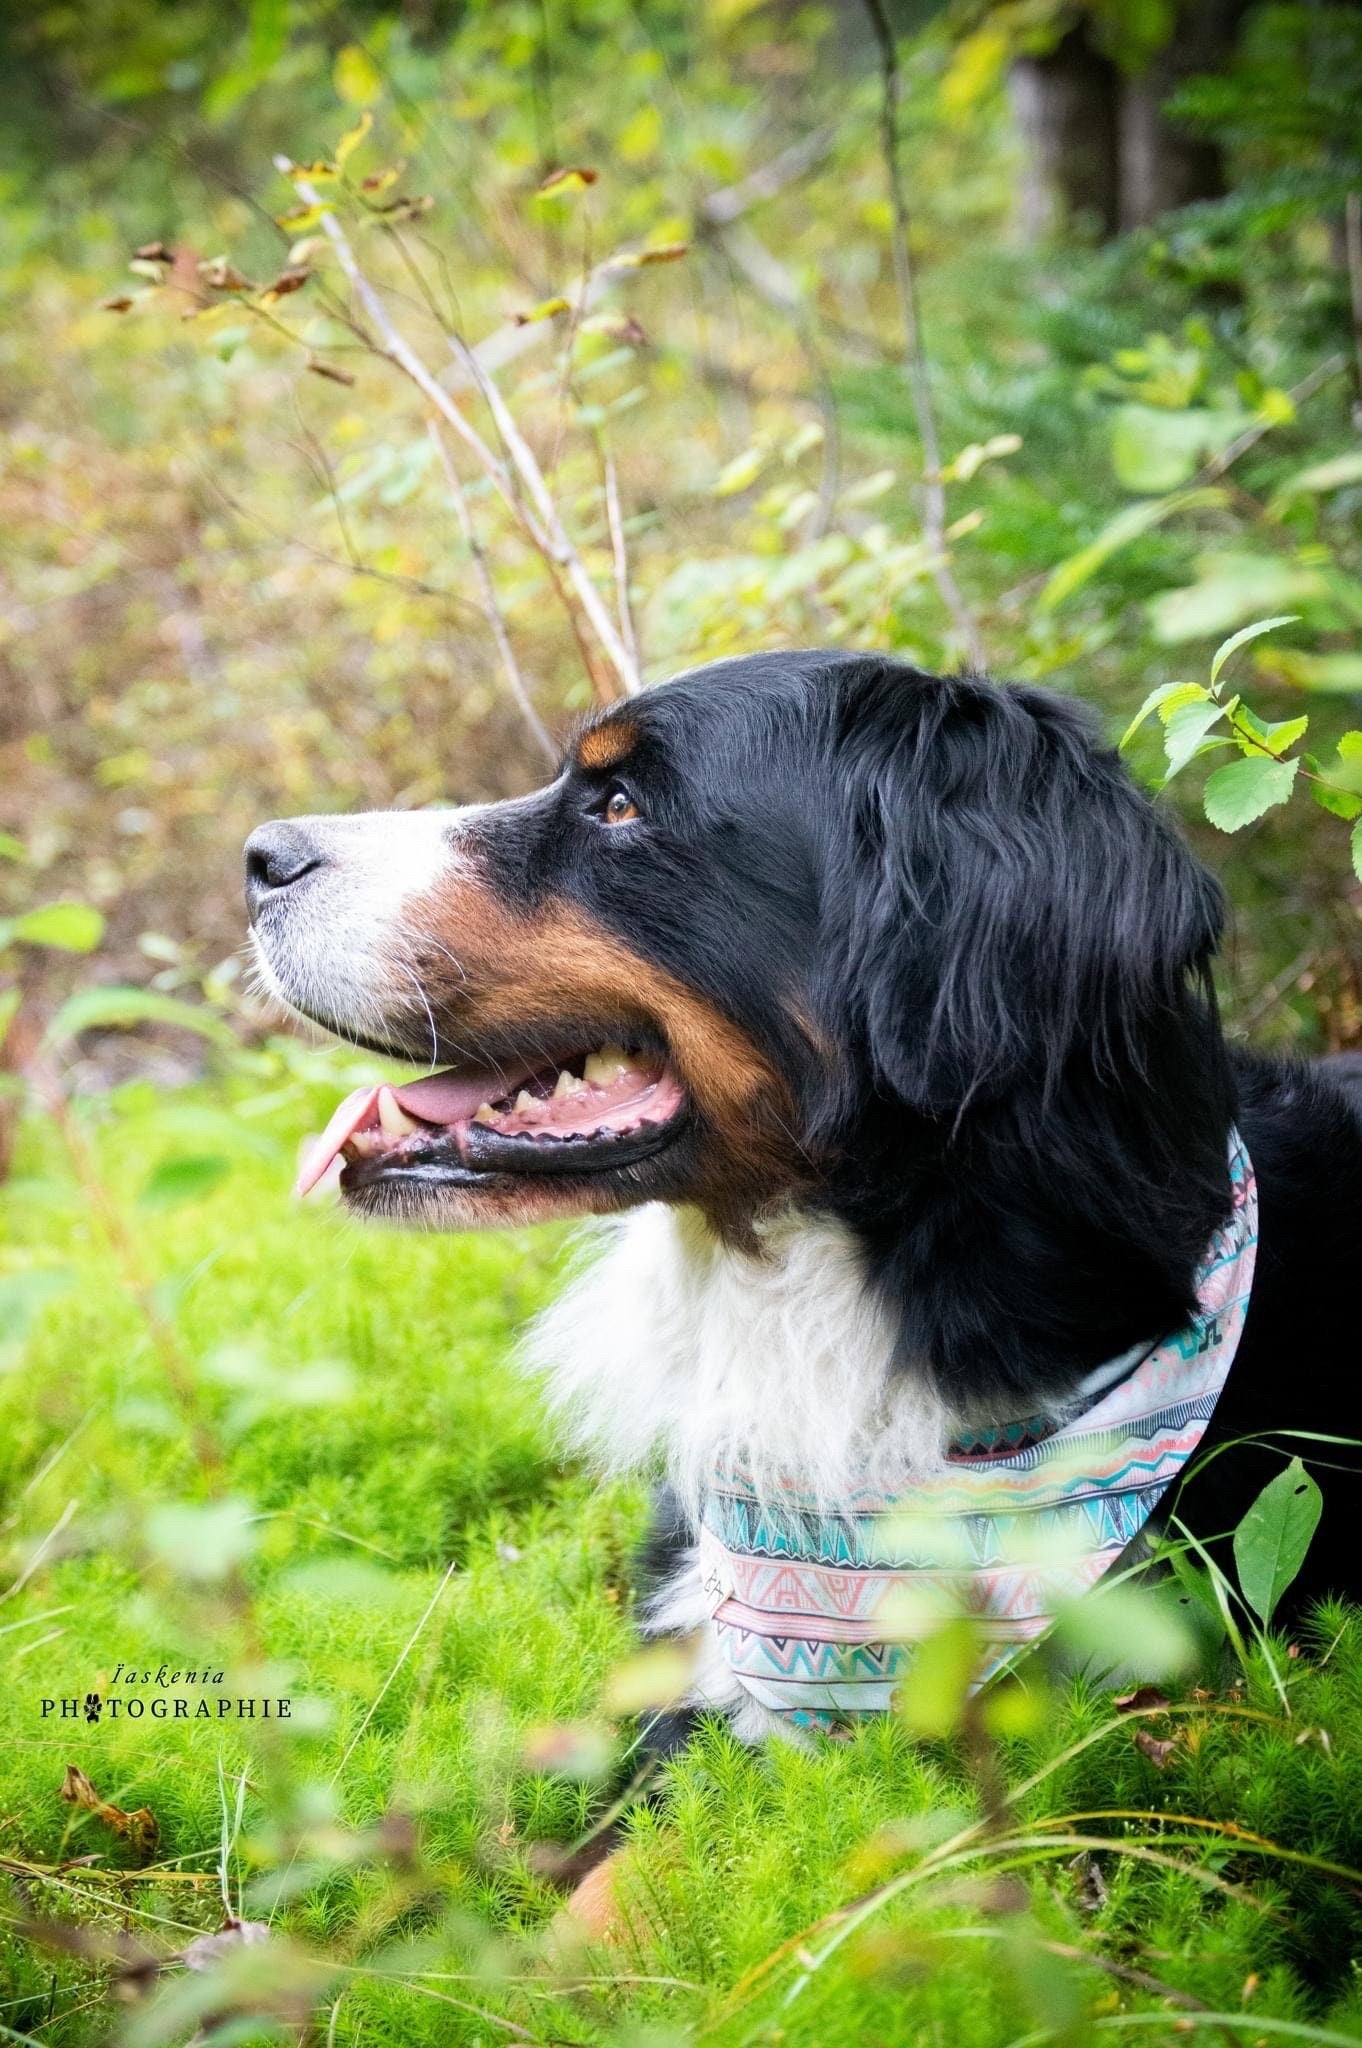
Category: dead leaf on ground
[207,1949]
[1143,1700]
[138,1829]
[1157,1752]
[1089,1881]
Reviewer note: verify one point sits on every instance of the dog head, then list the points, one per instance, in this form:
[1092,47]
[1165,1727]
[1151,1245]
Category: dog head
[768,917]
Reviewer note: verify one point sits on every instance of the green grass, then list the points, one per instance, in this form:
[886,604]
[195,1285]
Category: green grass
[328,1434]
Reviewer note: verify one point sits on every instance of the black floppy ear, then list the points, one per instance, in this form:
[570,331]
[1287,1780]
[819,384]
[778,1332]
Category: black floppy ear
[1013,896]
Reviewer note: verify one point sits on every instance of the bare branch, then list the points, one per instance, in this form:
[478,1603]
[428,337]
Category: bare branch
[720,209]
[1352,242]
[491,608]
[544,525]
[557,544]
[399,349]
[1240,445]
[620,552]
[915,361]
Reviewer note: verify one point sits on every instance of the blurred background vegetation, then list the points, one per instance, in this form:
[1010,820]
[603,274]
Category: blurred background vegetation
[236,583]
[381,386]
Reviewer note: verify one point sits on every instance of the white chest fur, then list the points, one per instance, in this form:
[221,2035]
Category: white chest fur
[671,1349]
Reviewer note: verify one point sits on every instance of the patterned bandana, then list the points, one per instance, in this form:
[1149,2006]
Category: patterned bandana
[816,1613]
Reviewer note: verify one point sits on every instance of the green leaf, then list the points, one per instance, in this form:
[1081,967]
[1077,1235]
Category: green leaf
[1137,1627]
[1271,1541]
[1233,586]
[185,1179]
[944,1665]
[743,470]
[106,1009]
[12,848]
[1341,802]
[1237,794]
[1164,700]
[352,139]
[67,927]
[1127,526]
[1185,730]
[1242,638]
[1281,734]
[1154,449]
[1321,476]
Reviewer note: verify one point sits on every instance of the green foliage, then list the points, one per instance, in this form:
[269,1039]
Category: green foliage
[1242,791]
[1271,1541]
[447,1729]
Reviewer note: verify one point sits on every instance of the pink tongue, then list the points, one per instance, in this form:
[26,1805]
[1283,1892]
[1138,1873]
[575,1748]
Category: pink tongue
[347,1118]
[439,1099]
[447,1099]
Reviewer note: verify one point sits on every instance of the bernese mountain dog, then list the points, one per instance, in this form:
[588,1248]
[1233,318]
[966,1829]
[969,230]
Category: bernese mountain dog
[876,1007]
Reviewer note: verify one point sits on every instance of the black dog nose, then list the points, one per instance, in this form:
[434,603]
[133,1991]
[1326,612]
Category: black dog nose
[276,856]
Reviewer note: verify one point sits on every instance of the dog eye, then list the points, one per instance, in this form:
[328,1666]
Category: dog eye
[619,807]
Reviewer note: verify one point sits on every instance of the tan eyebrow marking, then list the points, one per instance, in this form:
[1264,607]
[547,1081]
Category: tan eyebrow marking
[605,746]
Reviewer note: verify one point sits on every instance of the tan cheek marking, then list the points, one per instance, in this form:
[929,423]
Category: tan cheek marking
[605,746]
[517,972]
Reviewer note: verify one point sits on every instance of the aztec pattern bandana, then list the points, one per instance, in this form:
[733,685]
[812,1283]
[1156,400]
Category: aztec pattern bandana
[816,1613]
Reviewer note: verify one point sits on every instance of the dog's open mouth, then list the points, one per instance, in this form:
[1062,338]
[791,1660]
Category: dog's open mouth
[587,1112]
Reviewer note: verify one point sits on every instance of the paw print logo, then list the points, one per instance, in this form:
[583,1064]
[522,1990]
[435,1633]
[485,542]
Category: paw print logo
[94,1706]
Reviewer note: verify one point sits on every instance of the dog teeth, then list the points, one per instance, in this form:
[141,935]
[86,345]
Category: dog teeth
[607,1066]
[392,1117]
[568,1084]
[484,1114]
[527,1104]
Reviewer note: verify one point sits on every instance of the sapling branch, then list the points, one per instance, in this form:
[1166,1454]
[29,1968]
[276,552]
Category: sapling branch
[491,608]
[915,360]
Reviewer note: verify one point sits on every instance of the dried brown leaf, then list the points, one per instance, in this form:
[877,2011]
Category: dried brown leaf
[1142,1700]
[138,1829]
[154,252]
[330,370]
[1089,1882]
[222,276]
[291,280]
[119,303]
[207,1949]
[1157,1752]
[572,179]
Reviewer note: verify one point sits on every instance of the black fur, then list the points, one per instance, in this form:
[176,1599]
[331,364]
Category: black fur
[981,960]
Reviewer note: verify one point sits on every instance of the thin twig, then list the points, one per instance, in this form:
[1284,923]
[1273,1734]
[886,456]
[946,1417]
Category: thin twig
[401,352]
[492,611]
[1352,242]
[915,361]
[615,522]
[558,547]
[1240,445]
[407,1648]
[543,524]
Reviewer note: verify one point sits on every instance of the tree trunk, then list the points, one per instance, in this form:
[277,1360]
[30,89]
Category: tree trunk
[1067,107]
[1098,144]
